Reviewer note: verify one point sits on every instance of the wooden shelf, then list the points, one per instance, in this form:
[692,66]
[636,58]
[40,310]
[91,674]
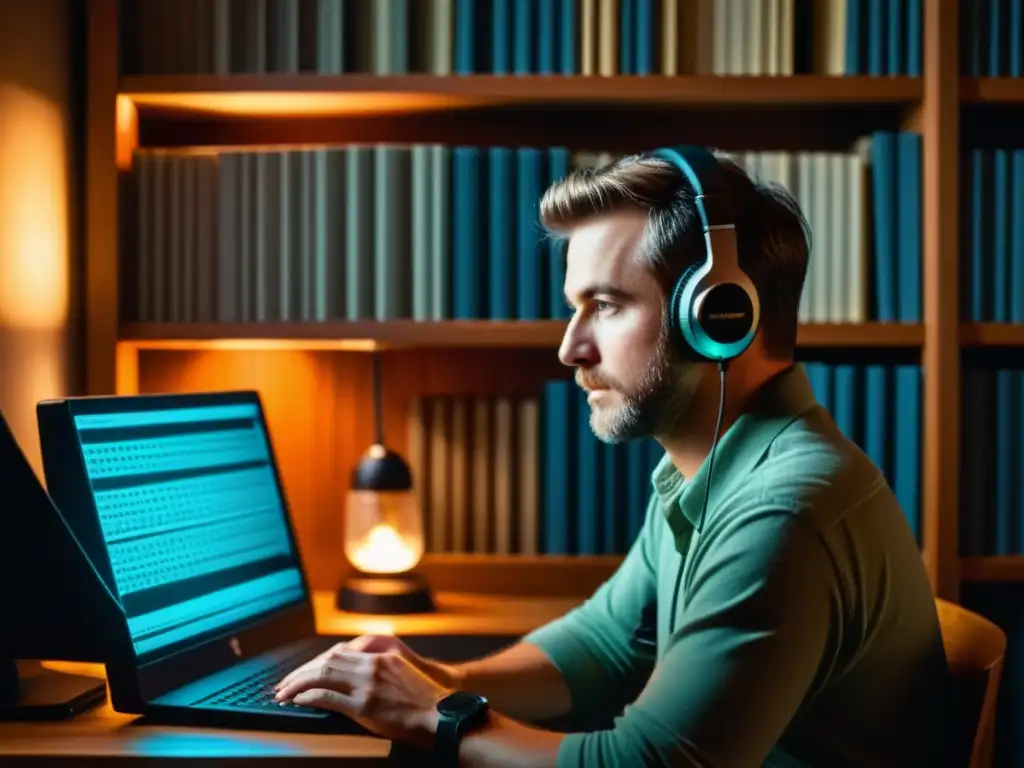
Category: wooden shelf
[358,335]
[736,112]
[370,335]
[867,335]
[992,335]
[1008,569]
[992,90]
[334,95]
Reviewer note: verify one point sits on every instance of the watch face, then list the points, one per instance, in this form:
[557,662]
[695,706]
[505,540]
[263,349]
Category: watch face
[461,704]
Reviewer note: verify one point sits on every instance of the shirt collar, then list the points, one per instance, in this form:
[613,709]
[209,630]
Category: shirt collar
[776,405]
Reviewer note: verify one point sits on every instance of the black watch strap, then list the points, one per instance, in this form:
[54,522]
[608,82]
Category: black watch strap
[446,742]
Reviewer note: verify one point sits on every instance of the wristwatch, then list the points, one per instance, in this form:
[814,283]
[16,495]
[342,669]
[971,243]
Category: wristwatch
[459,712]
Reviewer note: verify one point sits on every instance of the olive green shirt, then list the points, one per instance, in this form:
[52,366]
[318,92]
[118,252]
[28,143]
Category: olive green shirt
[804,632]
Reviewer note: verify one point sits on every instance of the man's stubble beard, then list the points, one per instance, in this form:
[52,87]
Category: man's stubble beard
[661,405]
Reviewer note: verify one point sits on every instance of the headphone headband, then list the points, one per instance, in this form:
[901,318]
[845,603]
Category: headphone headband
[706,178]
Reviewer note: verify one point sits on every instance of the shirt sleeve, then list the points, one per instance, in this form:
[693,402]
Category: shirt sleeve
[601,647]
[751,642]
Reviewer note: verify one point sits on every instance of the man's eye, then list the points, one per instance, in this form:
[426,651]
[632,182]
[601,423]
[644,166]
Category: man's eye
[604,306]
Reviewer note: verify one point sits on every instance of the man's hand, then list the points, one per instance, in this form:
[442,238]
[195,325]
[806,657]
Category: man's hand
[382,690]
[442,674]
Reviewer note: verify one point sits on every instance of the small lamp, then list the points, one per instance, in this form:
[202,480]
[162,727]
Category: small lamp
[384,538]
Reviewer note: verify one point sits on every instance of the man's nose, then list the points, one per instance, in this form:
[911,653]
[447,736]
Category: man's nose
[577,347]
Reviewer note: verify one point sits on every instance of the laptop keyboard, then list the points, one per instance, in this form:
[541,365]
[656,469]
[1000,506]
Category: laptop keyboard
[257,690]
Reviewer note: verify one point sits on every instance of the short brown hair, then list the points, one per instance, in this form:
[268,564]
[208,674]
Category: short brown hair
[773,236]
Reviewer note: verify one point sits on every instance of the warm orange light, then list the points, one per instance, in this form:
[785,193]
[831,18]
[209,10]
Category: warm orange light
[33,212]
[259,345]
[301,103]
[383,550]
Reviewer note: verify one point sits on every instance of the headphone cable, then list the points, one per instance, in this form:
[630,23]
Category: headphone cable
[722,368]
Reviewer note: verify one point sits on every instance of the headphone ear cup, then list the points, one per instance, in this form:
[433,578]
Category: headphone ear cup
[676,312]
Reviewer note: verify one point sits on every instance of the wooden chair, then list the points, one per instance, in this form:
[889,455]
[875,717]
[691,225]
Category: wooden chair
[975,649]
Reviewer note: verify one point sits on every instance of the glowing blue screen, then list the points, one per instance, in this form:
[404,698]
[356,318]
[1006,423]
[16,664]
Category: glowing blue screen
[192,517]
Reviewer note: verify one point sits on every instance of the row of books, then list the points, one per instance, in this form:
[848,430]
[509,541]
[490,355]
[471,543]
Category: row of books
[433,232]
[513,476]
[527,475]
[992,457]
[553,37]
[992,38]
[992,233]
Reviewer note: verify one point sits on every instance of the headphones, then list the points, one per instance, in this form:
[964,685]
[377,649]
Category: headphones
[714,310]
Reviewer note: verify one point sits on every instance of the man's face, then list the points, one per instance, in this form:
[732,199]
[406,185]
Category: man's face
[637,384]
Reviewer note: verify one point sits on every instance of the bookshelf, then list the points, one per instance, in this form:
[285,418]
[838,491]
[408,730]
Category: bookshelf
[314,95]
[326,360]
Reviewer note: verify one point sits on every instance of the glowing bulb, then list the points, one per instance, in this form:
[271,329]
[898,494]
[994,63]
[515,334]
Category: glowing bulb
[383,550]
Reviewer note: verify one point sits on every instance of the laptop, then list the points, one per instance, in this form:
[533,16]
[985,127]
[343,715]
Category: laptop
[178,500]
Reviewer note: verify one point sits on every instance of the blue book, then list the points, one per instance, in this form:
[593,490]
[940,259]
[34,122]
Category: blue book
[820,376]
[465,53]
[646,33]
[915,37]
[468,243]
[877,419]
[587,479]
[501,281]
[883,162]
[1007,463]
[560,161]
[980,228]
[996,37]
[1016,280]
[856,17]
[558,467]
[547,37]
[845,393]
[909,224]
[878,20]
[1000,255]
[529,236]
[501,37]
[895,57]
[973,522]
[907,475]
[524,37]
[1016,42]
[568,63]
[627,40]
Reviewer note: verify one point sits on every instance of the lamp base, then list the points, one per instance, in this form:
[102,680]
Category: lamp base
[385,594]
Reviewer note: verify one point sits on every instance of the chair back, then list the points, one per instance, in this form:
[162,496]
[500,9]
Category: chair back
[975,649]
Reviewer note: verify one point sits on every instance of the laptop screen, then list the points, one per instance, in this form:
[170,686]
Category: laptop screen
[191,512]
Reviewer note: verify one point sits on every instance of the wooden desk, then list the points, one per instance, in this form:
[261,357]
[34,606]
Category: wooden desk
[101,735]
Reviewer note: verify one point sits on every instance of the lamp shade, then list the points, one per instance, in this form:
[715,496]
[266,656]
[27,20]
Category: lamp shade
[381,469]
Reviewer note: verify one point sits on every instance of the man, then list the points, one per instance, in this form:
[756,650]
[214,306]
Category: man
[793,626]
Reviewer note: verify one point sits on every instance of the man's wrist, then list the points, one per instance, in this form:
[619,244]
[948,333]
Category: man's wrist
[452,676]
